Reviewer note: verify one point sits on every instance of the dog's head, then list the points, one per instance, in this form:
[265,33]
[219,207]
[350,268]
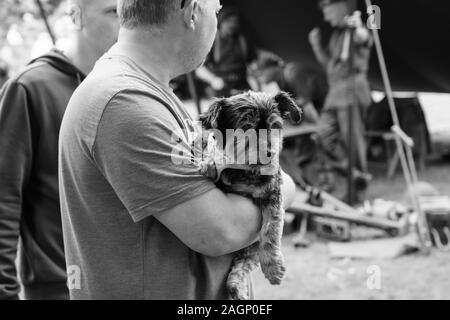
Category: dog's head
[251,110]
[256,113]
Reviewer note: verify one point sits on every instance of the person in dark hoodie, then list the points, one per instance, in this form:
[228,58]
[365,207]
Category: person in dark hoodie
[3,73]
[32,105]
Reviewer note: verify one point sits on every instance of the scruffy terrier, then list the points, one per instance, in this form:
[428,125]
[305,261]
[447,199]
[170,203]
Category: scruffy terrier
[261,113]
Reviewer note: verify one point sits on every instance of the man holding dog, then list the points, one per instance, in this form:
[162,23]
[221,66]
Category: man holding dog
[137,225]
[32,105]
[341,79]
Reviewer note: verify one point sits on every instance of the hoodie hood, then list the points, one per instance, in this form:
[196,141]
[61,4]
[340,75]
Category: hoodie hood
[59,61]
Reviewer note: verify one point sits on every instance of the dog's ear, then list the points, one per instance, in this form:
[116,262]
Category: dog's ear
[210,119]
[288,107]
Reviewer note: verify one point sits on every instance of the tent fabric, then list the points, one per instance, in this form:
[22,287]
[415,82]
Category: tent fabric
[413,35]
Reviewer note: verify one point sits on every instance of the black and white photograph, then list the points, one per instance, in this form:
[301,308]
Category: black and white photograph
[240,151]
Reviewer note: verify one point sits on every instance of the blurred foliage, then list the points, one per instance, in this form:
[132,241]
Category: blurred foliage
[22,29]
[12,11]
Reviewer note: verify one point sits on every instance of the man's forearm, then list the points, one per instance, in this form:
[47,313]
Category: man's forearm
[204,74]
[216,224]
[246,222]
[320,54]
[247,226]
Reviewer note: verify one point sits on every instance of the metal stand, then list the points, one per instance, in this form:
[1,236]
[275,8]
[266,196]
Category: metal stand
[403,142]
[405,145]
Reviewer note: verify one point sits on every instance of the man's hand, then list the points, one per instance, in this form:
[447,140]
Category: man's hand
[315,37]
[214,81]
[361,33]
[354,21]
[217,84]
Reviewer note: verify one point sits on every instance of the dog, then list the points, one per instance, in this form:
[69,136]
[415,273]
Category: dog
[254,111]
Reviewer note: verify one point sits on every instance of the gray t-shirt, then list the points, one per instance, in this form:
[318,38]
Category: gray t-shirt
[116,172]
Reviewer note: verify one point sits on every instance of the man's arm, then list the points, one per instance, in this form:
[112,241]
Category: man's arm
[214,224]
[214,81]
[15,164]
[361,34]
[315,39]
[217,224]
[138,152]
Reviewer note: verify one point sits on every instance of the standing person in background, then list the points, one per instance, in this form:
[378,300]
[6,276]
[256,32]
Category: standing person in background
[32,105]
[225,69]
[341,75]
[4,73]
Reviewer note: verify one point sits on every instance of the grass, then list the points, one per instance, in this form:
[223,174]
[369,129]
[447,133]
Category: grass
[312,274]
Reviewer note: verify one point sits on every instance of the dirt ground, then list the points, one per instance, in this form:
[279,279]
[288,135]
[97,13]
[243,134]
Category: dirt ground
[312,274]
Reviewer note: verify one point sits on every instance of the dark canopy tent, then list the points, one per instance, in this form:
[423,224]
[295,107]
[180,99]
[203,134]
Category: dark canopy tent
[413,33]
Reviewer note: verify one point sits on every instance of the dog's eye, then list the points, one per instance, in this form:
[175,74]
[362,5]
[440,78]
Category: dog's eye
[277,126]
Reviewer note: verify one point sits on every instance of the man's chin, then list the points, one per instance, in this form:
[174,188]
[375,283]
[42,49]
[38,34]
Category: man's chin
[201,64]
[194,67]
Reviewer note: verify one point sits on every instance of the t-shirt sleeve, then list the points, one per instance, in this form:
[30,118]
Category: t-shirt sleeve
[144,155]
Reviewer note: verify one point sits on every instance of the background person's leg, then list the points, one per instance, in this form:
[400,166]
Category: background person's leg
[360,154]
[329,149]
[329,134]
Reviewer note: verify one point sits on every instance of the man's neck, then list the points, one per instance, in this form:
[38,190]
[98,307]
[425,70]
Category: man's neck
[81,56]
[151,52]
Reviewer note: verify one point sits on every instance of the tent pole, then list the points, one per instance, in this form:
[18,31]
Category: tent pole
[384,73]
[406,157]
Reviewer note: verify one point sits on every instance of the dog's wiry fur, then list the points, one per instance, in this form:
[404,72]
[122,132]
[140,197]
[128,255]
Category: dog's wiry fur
[255,111]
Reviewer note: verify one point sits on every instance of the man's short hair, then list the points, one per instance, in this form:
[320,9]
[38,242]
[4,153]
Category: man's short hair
[138,13]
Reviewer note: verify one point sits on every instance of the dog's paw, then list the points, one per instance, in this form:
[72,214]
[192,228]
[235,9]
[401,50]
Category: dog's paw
[208,169]
[274,271]
[238,292]
[238,287]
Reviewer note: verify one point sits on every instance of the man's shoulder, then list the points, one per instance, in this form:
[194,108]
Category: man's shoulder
[115,101]
[111,79]
[141,107]
[34,73]
[39,81]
